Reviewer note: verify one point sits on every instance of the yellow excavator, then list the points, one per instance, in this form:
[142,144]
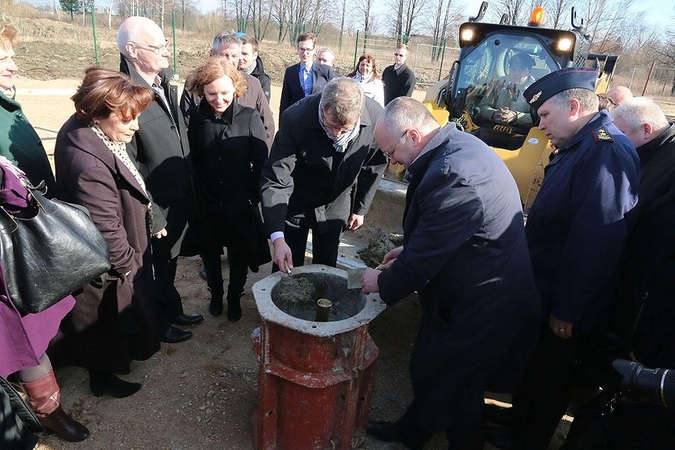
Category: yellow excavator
[482,71]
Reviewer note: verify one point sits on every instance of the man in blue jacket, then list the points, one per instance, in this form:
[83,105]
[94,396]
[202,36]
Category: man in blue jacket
[577,231]
[465,253]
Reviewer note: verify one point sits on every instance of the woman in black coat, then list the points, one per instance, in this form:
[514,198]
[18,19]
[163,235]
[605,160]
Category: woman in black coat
[113,322]
[228,149]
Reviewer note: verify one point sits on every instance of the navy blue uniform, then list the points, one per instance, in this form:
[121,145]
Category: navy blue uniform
[577,232]
[465,253]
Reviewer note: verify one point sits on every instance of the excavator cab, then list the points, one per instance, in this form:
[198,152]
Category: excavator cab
[483,94]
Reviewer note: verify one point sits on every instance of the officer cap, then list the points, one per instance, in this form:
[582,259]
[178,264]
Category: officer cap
[558,81]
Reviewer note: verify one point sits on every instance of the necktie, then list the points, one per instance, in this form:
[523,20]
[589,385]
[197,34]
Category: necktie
[305,81]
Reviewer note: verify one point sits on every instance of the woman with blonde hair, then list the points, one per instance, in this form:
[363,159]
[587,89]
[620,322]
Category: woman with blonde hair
[228,150]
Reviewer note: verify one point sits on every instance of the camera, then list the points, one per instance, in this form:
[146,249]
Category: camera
[644,384]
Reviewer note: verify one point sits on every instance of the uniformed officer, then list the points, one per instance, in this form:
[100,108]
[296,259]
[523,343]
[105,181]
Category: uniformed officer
[576,233]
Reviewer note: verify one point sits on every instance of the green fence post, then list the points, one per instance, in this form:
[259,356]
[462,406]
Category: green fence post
[356,48]
[93,27]
[173,33]
[440,70]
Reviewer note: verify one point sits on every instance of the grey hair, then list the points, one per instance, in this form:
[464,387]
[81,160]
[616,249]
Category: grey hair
[225,39]
[131,30]
[639,111]
[344,97]
[587,99]
[405,113]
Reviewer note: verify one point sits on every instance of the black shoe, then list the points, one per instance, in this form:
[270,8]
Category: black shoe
[499,416]
[393,432]
[499,437]
[186,320]
[384,431]
[66,427]
[106,383]
[216,307]
[233,309]
[202,273]
[175,335]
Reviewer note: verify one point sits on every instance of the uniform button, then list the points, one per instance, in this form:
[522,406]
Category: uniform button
[3,298]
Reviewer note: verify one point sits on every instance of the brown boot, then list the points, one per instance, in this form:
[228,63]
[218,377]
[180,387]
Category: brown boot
[45,399]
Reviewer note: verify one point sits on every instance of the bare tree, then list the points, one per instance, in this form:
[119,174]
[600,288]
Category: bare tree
[364,8]
[517,10]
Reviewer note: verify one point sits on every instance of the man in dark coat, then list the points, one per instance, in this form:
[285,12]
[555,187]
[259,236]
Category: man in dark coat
[306,77]
[323,153]
[160,150]
[251,64]
[399,79]
[576,232]
[464,252]
[644,314]
[228,46]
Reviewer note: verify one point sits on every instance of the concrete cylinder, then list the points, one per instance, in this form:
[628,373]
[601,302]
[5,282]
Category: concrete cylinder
[315,379]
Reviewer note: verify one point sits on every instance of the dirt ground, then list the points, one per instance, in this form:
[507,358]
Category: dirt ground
[201,394]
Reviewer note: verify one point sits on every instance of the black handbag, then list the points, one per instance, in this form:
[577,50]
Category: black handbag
[49,251]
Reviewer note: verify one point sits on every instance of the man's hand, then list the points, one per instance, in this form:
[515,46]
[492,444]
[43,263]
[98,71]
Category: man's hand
[561,329]
[354,222]
[160,234]
[369,281]
[390,257]
[504,115]
[283,257]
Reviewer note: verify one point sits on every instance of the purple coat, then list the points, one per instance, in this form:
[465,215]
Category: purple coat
[115,322]
[23,340]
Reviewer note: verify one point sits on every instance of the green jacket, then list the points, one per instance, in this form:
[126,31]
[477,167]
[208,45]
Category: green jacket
[21,145]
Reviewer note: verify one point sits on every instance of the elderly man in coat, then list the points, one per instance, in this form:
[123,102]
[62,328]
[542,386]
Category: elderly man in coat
[323,151]
[160,149]
[464,251]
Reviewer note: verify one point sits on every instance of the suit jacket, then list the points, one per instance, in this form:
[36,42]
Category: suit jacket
[160,150]
[304,175]
[292,91]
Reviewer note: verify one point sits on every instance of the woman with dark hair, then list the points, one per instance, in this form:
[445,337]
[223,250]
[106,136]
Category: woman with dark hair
[113,322]
[366,75]
[24,337]
[228,150]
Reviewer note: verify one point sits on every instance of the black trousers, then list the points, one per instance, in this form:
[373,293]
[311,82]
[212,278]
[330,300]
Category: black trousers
[169,304]
[238,270]
[325,244]
[546,389]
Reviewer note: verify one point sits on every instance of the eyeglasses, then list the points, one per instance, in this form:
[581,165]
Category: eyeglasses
[393,149]
[156,49]
[305,50]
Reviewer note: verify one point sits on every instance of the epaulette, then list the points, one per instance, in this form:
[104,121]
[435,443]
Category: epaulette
[602,135]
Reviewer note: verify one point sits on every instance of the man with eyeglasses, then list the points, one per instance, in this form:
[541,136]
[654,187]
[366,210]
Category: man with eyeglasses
[465,253]
[304,78]
[160,150]
[322,173]
[399,79]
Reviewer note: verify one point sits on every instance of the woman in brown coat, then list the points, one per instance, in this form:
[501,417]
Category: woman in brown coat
[112,323]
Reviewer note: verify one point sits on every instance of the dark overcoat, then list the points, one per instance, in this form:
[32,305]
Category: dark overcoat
[398,82]
[646,293]
[465,253]
[113,322]
[304,175]
[578,225]
[291,89]
[160,147]
[23,338]
[227,154]
[22,146]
